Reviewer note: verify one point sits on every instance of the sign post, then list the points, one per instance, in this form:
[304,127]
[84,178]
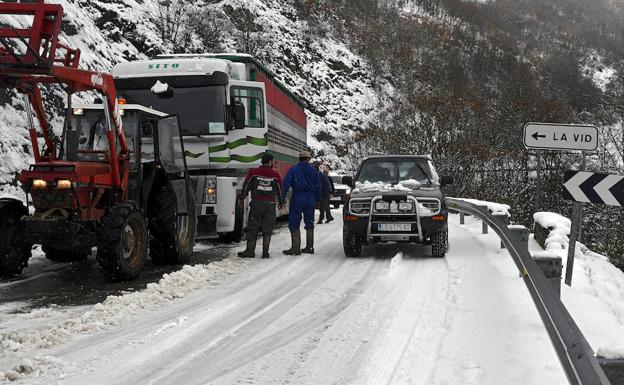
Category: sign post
[563,137]
[575,233]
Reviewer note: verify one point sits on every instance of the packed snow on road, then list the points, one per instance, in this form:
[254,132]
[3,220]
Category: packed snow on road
[393,316]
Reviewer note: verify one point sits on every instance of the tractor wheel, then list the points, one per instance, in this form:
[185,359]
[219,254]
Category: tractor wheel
[439,244]
[13,257]
[172,237]
[122,243]
[351,244]
[66,255]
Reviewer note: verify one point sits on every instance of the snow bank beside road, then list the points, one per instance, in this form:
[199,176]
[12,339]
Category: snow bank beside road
[596,298]
[56,325]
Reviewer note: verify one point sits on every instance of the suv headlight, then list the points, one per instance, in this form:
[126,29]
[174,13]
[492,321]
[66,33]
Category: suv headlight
[382,206]
[210,193]
[406,206]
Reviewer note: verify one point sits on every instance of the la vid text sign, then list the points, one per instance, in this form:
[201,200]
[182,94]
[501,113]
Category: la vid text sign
[550,136]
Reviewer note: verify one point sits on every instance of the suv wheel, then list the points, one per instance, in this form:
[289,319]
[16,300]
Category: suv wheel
[352,245]
[439,244]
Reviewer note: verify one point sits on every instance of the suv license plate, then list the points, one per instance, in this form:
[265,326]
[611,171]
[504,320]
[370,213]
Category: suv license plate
[394,227]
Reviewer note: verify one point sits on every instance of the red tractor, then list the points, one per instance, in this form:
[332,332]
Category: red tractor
[93,183]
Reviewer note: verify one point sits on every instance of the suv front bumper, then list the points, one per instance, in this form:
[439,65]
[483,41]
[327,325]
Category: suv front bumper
[419,224]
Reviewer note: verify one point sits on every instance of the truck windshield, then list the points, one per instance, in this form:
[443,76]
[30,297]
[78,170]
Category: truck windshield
[395,171]
[201,108]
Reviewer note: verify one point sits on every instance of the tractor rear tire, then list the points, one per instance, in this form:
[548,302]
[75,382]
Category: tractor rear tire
[122,243]
[13,256]
[172,237]
[66,255]
[439,244]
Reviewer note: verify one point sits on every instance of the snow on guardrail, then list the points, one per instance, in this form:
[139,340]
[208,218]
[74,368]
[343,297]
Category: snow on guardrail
[495,208]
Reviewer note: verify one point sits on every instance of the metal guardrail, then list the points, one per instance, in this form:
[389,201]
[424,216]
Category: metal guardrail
[575,354]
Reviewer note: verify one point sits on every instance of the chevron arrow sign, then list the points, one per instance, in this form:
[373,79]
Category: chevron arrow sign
[589,187]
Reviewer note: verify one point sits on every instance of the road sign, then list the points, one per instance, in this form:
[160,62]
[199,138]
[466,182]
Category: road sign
[589,187]
[550,136]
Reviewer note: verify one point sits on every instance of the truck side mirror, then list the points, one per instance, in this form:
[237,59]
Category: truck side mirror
[238,115]
[446,180]
[347,180]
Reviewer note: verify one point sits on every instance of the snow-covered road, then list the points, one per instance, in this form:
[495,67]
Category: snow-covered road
[393,316]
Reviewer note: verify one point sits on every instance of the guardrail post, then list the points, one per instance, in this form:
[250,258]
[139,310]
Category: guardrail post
[614,369]
[484,227]
[462,218]
[551,266]
[503,218]
[521,234]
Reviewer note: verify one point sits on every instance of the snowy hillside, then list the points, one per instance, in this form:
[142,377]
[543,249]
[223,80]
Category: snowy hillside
[321,70]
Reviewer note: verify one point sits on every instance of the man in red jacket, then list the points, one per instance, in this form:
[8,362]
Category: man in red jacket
[265,185]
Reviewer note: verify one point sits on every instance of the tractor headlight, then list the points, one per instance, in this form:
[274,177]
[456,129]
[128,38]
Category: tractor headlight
[210,193]
[39,183]
[63,184]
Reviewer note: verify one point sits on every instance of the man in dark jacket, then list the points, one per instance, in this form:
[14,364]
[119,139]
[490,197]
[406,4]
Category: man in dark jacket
[265,185]
[328,191]
[306,185]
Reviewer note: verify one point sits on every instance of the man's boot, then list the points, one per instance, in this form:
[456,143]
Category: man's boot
[309,249]
[266,242]
[250,251]
[295,249]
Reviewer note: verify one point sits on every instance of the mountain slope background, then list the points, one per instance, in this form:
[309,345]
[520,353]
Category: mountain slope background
[457,79]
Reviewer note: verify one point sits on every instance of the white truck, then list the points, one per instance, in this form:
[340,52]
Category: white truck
[232,110]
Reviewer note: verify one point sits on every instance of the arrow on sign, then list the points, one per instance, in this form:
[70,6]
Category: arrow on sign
[589,187]
[537,135]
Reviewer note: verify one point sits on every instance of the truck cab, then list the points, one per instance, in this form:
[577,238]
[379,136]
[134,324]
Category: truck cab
[232,110]
[396,198]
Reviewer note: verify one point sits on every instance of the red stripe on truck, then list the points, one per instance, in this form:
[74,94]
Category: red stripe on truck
[282,102]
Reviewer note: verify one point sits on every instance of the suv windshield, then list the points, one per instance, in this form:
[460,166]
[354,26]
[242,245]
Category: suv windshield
[414,171]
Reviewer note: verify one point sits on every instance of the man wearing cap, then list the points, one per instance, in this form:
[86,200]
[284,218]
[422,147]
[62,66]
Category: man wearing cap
[265,185]
[306,185]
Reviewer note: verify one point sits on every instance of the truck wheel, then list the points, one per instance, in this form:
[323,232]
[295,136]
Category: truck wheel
[66,255]
[122,243]
[13,257]
[439,244]
[172,237]
[237,234]
[351,244]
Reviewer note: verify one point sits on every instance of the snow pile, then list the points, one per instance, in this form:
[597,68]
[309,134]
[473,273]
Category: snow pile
[596,297]
[559,227]
[495,208]
[159,88]
[114,311]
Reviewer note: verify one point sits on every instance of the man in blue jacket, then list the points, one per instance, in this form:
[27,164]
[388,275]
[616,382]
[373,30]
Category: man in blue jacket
[305,182]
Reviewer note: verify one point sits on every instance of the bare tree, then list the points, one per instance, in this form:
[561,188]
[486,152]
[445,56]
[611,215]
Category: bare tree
[251,37]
